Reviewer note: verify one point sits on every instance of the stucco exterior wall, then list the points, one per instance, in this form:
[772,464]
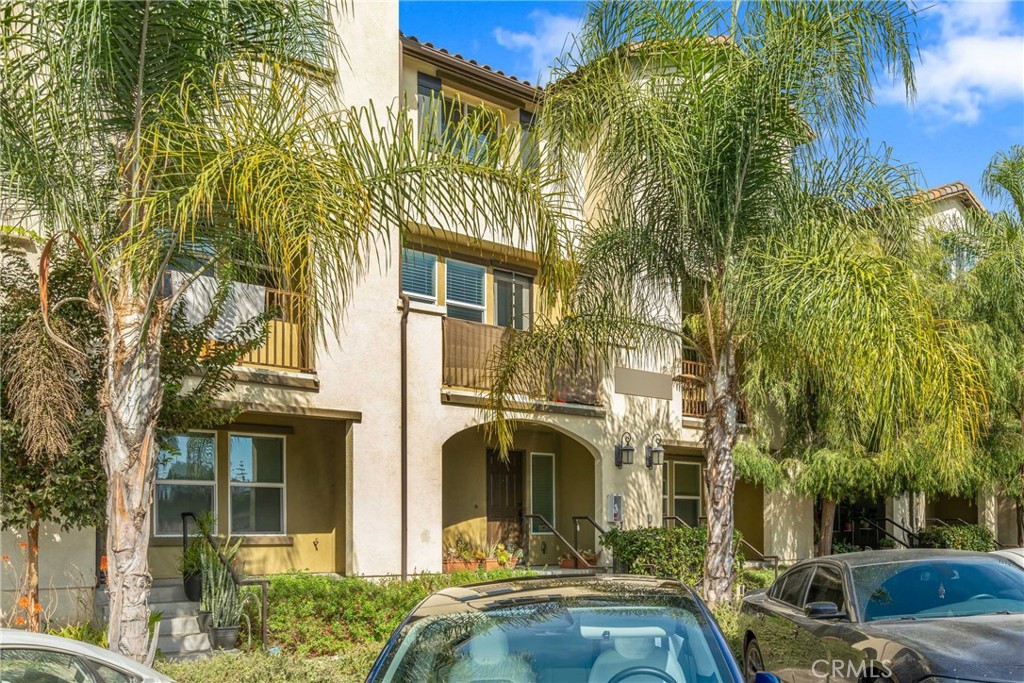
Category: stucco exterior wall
[789,525]
[67,576]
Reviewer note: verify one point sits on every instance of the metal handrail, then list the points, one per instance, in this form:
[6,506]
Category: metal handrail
[910,534]
[576,528]
[877,527]
[262,583]
[543,520]
[774,559]
[676,518]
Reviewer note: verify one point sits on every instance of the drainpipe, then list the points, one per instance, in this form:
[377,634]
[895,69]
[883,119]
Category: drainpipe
[405,437]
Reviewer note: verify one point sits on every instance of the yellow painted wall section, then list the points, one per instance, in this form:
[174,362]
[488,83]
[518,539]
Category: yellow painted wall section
[749,511]
[314,500]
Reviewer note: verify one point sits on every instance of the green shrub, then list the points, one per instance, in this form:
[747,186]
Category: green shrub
[316,615]
[752,579]
[727,615]
[959,537]
[840,547]
[677,552]
[351,664]
[83,632]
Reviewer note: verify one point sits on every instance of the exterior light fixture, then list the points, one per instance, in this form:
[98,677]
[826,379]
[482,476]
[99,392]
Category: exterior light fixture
[655,453]
[624,451]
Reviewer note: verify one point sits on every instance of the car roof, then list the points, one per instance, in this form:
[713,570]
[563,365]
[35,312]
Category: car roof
[869,557]
[525,590]
[17,638]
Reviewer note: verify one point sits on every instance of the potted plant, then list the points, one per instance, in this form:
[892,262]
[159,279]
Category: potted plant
[567,561]
[205,616]
[190,563]
[224,601]
[589,556]
[507,556]
[460,557]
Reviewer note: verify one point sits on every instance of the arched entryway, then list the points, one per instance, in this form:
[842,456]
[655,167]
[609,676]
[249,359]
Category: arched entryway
[488,499]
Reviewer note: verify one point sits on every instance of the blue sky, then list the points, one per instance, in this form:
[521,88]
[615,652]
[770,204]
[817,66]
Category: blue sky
[970,74]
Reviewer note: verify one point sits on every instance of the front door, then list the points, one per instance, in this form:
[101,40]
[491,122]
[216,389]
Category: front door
[505,498]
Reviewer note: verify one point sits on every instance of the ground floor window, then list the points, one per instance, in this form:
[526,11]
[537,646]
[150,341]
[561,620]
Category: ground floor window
[186,480]
[257,484]
[681,491]
[542,490]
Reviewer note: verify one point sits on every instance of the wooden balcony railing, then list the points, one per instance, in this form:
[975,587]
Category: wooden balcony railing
[695,392]
[468,350]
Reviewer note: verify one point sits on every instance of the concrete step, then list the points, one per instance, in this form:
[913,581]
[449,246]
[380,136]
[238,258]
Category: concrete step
[169,609]
[191,643]
[179,626]
[165,590]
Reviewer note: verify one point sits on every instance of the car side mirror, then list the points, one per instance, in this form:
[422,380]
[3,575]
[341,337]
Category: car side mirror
[765,677]
[823,610]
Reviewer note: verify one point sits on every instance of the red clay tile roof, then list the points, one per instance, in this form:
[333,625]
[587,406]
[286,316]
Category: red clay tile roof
[958,190]
[470,67]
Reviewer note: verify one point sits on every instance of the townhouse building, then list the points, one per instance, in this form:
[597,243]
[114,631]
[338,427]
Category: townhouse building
[368,452]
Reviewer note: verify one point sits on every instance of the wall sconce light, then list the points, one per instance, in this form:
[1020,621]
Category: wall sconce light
[624,451]
[655,453]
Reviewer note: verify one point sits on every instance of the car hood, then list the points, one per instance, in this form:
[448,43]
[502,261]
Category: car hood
[978,648]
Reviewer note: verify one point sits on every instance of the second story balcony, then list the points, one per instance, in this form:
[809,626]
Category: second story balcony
[468,354]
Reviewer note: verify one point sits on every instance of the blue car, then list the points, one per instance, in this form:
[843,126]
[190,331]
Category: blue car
[579,629]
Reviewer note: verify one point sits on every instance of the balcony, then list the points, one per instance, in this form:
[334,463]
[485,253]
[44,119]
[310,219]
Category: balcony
[695,393]
[287,344]
[467,351]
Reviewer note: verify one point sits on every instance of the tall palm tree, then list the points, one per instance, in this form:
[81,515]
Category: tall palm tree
[195,135]
[993,299]
[709,220]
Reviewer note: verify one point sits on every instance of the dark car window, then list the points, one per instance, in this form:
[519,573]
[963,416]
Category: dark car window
[29,665]
[827,586]
[559,639]
[927,589]
[792,591]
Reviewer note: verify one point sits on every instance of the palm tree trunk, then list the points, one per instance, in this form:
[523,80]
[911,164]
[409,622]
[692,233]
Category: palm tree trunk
[32,573]
[828,518]
[131,402]
[721,428]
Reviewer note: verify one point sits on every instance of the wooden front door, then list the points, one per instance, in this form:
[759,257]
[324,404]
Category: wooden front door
[505,498]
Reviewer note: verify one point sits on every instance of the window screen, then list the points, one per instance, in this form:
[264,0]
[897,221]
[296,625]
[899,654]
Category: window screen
[542,489]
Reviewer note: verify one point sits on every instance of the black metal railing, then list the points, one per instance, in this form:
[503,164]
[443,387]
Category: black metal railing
[544,521]
[576,528]
[881,531]
[239,581]
[761,557]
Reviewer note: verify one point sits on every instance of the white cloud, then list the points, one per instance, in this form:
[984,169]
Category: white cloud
[977,61]
[543,44]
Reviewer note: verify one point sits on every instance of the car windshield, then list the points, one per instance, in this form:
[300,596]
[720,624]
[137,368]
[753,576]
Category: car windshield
[927,589]
[561,639]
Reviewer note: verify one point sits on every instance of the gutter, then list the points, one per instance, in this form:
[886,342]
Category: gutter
[405,436]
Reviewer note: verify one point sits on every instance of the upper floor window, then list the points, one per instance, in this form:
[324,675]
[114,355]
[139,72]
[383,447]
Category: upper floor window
[440,116]
[464,290]
[513,299]
[419,278]
[529,145]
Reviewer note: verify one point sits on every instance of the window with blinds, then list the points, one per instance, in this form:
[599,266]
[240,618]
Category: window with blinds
[419,279]
[464,290]
[542,490]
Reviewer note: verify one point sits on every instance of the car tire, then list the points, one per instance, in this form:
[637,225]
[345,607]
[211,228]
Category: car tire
[753,662]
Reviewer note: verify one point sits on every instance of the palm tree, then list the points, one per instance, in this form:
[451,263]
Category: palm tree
[710,221]
[993,299]
[197,135]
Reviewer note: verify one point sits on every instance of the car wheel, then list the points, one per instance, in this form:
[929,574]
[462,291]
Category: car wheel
[752,661]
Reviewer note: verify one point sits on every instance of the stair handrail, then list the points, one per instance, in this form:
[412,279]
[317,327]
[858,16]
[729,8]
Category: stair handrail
[543,520]
[774,559]
[676,519]
[576,528]
[910,534]
[239,581]
[884,531]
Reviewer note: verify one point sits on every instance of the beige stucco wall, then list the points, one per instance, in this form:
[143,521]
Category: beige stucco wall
[67,561]
[789,524]
[749,513]
[1006,520]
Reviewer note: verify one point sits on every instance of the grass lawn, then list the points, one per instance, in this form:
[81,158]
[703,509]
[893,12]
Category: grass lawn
[349,665]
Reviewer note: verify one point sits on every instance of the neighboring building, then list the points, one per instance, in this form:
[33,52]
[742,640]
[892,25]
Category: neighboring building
[311,474]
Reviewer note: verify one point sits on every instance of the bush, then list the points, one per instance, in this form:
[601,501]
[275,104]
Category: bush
[959,537]
[351,664]
[752,579]
[84,632]
[315,615]
[678,552]
[841,547]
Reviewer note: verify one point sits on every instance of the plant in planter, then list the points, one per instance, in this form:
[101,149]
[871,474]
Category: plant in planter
[223,599]
[567,561]
[190,563]
[507,556]
[461,557]
[589,556]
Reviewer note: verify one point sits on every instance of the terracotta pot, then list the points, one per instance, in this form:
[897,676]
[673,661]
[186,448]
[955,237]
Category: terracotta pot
[449,566]
[567,562]
[490,564]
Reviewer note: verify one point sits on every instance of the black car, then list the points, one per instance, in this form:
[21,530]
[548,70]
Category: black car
[582,629]
[901,616]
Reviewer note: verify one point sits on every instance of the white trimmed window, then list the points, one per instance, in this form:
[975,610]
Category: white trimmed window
[681,491]
[419,275]
[542,490]
[464,290]
[257,484]
[186,480]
